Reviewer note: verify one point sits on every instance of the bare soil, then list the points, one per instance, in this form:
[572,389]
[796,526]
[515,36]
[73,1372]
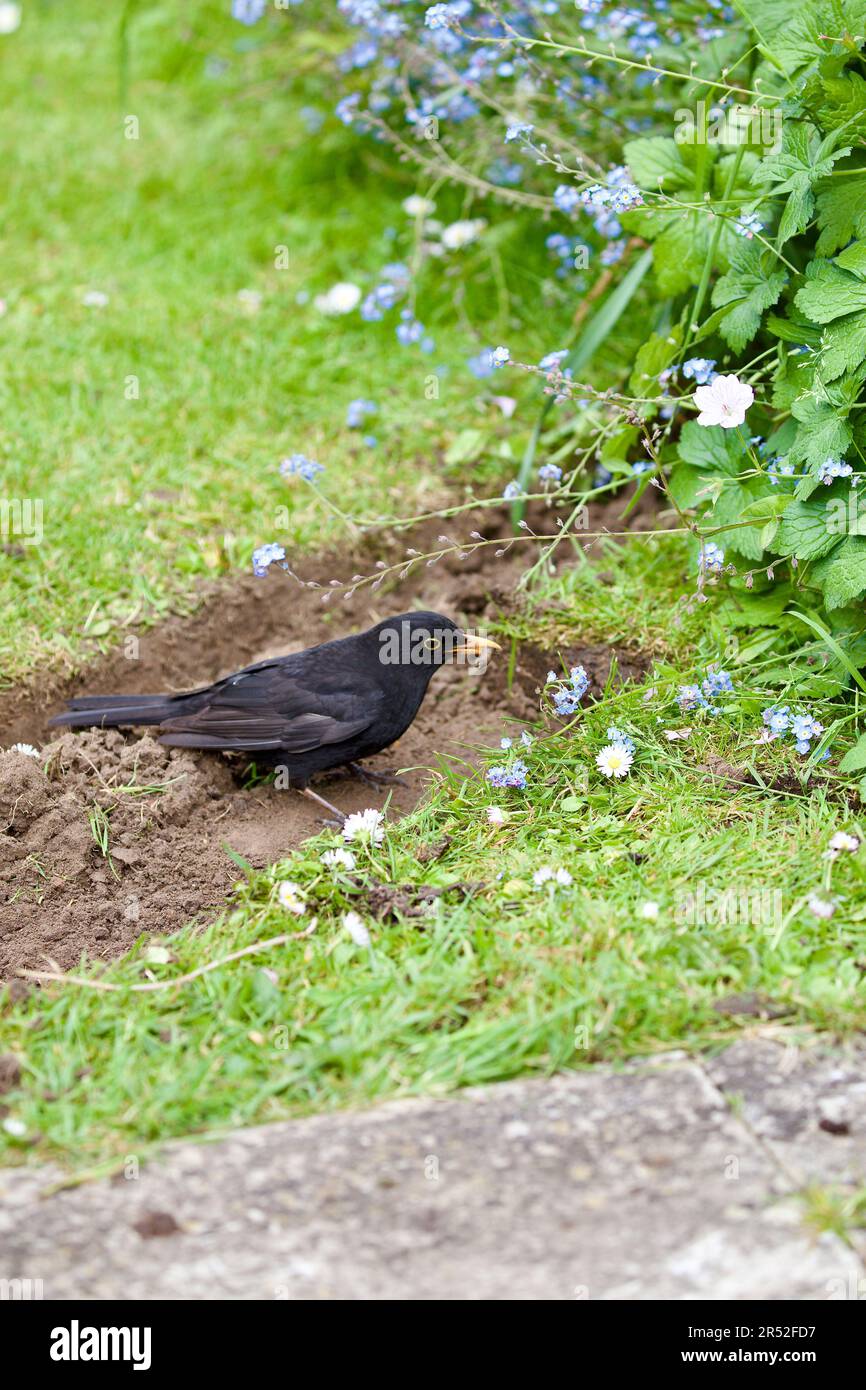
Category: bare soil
[170,815]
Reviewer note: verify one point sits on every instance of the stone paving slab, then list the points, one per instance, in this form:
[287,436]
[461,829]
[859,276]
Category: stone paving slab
[637,1184]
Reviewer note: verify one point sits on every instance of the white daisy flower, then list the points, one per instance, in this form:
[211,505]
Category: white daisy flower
[26,748]
[460,234]
[250,301]
[416,206]
[650,912]
[365,825]
[543,875]
[563,878]
[356,929]
[842,843]
[94,299]
[10,18]
[338,858]
[496,815]
[291,897]
[819,906]
[615,760]
[341,298]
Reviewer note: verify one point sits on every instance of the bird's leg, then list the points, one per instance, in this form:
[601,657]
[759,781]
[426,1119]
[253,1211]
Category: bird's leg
[314,796]
[375,779]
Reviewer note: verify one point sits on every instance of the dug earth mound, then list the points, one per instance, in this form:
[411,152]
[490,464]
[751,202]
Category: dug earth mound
[108,835]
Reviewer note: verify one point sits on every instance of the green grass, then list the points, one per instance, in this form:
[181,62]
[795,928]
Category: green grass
[502,976]
[146,498]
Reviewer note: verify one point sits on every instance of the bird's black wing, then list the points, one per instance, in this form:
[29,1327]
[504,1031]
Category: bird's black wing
[278,705]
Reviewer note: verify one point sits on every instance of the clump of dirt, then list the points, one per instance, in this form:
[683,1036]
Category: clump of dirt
[390,902]
[110,835]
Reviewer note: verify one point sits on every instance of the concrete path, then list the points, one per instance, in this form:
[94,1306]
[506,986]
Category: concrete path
[671,1180]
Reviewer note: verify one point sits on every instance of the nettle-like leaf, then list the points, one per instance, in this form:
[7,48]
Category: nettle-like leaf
[830,291]
[844,103]
[711,448]
[835,294]
[805,531]
[842,575]
[733,506]
[795,329]
[853,258]
[823,432]
[770,19]
[794,170]
[794,379]
[687,486]
[794,35]
[752,287]
[679,252]
[712,459]
[656,162]
[680,241]
[841,209]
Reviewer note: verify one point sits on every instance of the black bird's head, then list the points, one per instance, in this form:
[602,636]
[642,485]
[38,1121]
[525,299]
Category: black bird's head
[427,641]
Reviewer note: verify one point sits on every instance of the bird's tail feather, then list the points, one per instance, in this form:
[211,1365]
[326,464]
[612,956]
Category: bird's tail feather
[110,711]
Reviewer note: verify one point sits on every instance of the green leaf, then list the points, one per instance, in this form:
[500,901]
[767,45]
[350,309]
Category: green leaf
[656,354]
[238,859]
[729,510]
[830,292]
[711,447]
[804,531]
[753,287]
[844,103]
[803,39]
[830,642]
[841,213]
[656,162]
[771,20]
[686,484]
[843,347]
[842,575]
[853,258]
[822,433]
[749,609]
[833,292]
[466,447]
[792,331]
[803,159]
[855,758]
[680,252]
[710,325]
[769,507]
[616,447]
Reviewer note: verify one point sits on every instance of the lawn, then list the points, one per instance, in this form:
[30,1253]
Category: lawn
[698,898]
[151,426]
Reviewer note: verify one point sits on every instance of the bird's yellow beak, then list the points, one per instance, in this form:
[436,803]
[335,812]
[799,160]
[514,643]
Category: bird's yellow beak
[476,645]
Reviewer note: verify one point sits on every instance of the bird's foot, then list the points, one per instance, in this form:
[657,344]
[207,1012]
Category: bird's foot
[386,778]
[338,818]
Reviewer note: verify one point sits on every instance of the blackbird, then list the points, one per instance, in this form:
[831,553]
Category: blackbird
[325,707]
